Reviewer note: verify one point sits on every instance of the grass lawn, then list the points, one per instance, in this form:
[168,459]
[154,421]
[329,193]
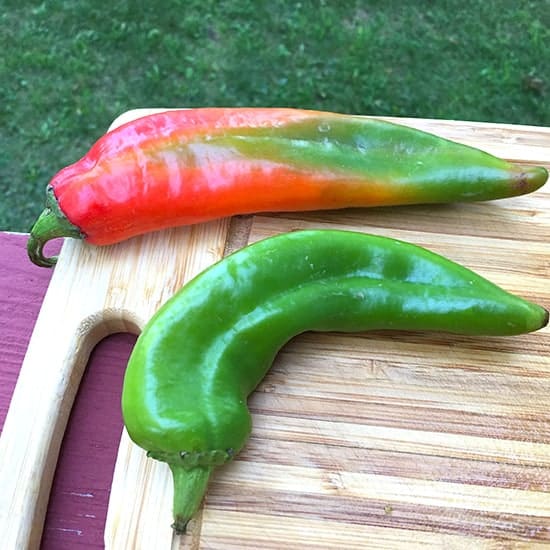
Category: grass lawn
[69,67]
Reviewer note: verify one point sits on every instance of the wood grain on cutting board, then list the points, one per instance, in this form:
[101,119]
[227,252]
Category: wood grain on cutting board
[372,440]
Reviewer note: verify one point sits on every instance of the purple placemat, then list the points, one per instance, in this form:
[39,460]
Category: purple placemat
[22,289]
[80,492]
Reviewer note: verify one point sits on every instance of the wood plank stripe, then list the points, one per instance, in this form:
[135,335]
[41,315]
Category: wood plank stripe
[413,416]
[225,529]
[389,463]
[401,440]
[444,494]
[521,219]
[357,372]
[422,357]
[377,512]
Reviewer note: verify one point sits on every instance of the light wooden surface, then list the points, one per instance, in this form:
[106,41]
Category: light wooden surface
[376,440]
[93,292]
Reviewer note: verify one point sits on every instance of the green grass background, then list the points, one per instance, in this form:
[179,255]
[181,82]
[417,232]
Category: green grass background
[68,68]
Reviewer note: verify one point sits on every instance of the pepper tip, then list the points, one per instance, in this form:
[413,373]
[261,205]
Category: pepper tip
[180,526]
[531,178]
[189,490]
[545,318]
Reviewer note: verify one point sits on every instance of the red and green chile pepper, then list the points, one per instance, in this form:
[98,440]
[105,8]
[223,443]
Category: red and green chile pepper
[201,355]
[185,391]
[189,166]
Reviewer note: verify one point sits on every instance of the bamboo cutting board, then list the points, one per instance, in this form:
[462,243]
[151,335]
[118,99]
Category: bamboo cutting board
[374,440]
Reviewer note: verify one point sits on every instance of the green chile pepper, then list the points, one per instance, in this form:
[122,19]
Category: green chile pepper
[185,390]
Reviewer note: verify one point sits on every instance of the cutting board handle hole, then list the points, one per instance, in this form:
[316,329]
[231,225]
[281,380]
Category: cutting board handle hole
[84,469]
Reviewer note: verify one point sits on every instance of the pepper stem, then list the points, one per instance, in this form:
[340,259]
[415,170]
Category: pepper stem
[51,223]
[189,490]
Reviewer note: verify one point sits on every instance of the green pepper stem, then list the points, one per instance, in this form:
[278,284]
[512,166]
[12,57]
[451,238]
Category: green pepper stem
[51,223]
[189,490]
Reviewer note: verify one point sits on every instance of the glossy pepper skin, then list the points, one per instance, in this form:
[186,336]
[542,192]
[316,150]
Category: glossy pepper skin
[187,166]
[185,390]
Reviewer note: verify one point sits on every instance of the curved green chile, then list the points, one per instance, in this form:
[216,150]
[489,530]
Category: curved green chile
[202,354]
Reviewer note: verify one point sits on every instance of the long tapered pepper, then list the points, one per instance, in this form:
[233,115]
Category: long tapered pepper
[186,166]
[185,390]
